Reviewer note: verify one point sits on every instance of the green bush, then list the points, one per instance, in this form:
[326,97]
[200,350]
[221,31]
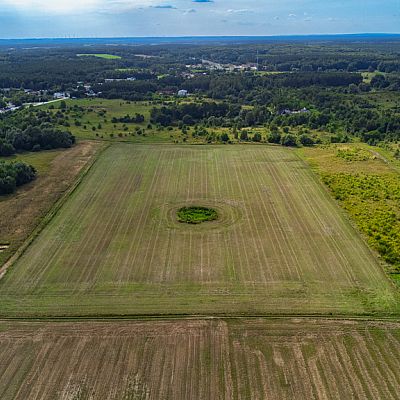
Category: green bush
[196,215]
[13,175]
[289,140]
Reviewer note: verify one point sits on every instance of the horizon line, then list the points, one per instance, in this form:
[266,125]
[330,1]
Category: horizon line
[204,36]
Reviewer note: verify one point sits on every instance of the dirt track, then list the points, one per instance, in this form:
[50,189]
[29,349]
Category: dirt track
[214,359]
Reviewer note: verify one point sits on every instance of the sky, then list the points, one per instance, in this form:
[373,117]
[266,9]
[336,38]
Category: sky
[131,18]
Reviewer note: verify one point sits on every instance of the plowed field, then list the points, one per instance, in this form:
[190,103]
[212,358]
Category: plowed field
[281,359]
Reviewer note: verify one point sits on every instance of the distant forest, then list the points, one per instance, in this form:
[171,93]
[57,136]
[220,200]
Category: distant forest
[257,83]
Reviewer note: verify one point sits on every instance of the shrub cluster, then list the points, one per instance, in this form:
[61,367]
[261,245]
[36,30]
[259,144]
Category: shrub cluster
[373,201]
[14,174]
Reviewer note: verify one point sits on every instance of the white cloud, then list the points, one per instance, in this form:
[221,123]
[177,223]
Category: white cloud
[241,11]
[75,6]
[52,6]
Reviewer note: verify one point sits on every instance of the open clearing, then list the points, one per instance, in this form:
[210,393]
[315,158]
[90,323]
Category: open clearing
[214,359]
[104,56]
[93,112]
[280,244]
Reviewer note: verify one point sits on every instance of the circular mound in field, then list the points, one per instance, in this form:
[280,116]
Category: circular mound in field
[196,214]
[214,215]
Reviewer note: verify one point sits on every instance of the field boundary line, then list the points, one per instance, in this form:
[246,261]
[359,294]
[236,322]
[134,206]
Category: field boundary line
[204,317]
[51,213]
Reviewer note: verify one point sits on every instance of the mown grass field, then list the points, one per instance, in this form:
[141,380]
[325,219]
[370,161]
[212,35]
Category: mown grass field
[251,359]
[280,245]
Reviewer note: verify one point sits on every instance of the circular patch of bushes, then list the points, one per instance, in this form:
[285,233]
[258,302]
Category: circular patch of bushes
[196,214]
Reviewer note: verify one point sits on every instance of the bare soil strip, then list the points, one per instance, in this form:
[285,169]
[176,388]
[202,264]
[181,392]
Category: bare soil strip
[212,359]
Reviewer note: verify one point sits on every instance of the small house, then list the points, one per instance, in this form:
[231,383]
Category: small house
[182,93]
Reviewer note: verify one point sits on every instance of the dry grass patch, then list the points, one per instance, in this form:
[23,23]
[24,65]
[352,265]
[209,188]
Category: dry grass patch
[22,211]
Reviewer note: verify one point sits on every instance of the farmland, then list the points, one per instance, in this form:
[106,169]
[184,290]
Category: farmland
[211,218]
[104,56]
[198,359]
[57,171]
[280,243]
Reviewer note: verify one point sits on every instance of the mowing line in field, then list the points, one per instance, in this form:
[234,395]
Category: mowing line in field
[252,222]
[143,215]
[277,222]
[240,243]
[277,243]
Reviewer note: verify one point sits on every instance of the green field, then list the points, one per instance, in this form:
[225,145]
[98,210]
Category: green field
[383,100]
[104,56]
[280,244]
[40,160]
[22,212]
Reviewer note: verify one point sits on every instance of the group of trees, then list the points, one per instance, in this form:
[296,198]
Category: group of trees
[13,175]
[31,131]
[127,90]
[60,67]
[127,119]
[33,138]
[194,112]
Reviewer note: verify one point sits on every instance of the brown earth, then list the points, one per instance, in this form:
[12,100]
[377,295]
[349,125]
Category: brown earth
[193,359]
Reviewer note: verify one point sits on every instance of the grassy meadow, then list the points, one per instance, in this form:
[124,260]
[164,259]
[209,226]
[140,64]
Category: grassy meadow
[366,183]
[93,120]
[280,244]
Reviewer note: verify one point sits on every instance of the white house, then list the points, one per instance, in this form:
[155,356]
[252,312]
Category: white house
[60,95]
[182,93]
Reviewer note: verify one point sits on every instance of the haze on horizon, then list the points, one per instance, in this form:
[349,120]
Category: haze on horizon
[123,18]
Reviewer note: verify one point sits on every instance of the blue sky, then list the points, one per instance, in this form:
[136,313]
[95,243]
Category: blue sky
[107,18]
